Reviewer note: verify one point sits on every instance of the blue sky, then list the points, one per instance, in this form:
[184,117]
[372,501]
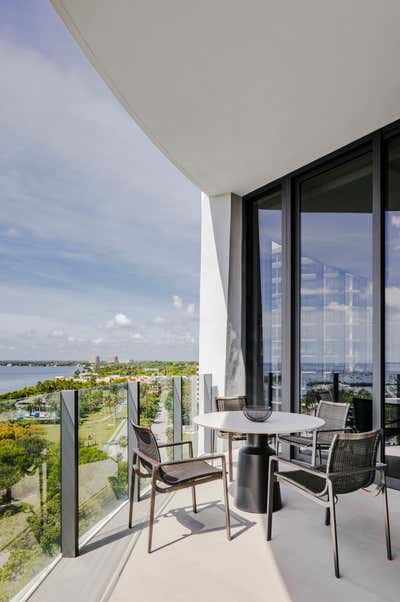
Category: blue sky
[99,233]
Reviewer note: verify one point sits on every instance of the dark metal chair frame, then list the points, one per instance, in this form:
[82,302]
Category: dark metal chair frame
[340,475]
[229,404]
[157,471]
[321,438]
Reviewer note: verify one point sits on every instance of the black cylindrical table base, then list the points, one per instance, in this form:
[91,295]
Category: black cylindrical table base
[252,476]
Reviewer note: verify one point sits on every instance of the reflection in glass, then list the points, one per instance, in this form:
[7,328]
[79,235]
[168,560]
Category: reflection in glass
[335,283]
[269,216]
[392,309]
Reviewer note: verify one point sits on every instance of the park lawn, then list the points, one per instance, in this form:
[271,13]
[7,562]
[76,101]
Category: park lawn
[101,423]
[52,432]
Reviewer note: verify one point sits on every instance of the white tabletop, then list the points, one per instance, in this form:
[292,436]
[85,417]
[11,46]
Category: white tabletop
[279,423]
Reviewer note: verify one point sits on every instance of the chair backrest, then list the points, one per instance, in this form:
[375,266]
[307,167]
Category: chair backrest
[362,409]
[147,444]
[353,451]
[335,417]
[230,404]
[325,395]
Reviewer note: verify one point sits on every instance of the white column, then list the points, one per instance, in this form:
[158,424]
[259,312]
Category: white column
[221,345]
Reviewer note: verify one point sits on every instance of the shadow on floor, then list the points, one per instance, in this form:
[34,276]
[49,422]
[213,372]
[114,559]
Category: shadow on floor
[206,520]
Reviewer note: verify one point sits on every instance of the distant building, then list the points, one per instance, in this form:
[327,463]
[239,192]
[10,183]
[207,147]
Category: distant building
[94,359]
[112,359]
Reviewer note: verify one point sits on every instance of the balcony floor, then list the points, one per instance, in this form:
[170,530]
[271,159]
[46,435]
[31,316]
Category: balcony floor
[193,560]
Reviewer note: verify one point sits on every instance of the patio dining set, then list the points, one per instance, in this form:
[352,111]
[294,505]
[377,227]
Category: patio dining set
[320,456]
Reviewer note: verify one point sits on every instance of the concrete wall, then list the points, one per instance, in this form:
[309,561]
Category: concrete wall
[221,351]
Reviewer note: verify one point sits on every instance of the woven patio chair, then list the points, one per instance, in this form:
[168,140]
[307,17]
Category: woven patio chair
[351,466]
[335,417]
[172,476]
[229,404]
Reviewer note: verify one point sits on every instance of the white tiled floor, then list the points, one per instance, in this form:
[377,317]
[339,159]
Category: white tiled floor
[193,561]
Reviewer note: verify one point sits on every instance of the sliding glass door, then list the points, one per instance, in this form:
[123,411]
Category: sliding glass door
[336,287]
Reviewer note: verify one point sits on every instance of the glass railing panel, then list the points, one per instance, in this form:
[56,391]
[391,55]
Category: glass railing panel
[156,411]
[103,453]
[29,489]
[190,409]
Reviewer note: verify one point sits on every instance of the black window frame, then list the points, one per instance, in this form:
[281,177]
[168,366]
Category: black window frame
[289,186]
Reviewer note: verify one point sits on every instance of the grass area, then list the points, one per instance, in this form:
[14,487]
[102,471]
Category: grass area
[102,424]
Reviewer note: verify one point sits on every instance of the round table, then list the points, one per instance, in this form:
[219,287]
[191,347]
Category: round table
[252,473]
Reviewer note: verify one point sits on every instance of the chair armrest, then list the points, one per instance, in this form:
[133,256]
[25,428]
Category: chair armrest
[188,460]
[349,473]
[344,429]
[292,463]
[175,443]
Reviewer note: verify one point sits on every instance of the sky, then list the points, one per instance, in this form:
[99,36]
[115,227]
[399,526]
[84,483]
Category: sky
[99,233]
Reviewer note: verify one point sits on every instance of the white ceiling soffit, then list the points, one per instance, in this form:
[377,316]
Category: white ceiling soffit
[238,93]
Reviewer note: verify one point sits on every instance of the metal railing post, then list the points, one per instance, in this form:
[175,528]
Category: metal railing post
[69,474]
[205,405]
[270,389]
[177,415]
[335,388]
[133,406]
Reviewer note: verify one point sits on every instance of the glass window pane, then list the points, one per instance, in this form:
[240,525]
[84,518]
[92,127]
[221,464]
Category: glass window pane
[269,216]
[392,294]
[336,287]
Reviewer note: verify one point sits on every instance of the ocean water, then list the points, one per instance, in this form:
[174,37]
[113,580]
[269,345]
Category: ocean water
[13,378]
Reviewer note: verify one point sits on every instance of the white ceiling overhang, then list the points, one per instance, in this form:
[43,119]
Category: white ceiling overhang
[238,93]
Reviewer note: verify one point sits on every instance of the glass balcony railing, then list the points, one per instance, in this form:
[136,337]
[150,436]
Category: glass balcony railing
[103,453]
[29,489]
[64,465]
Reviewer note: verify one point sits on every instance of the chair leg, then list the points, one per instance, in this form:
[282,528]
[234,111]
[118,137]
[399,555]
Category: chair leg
[320,455]
[213,441]
[230,457]
[270,498]
[152,509]
[327,517]
[226,500]
[387,523]
[132,492]
[194,499]
[333,529]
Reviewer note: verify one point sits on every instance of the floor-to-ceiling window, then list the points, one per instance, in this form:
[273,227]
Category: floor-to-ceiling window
[315,328]
[269,220]
[335,285]
[391,411]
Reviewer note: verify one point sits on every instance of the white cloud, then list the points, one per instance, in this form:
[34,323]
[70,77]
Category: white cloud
[11,233]
[392,297]
[97,341]
[159,320]
[57,334]
[119,321]
[136,336]
[177,302]
[190,309]
[395,221]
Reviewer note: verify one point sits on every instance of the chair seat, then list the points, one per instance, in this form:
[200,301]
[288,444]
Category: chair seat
[188,471]
[304,480]
[235,436]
